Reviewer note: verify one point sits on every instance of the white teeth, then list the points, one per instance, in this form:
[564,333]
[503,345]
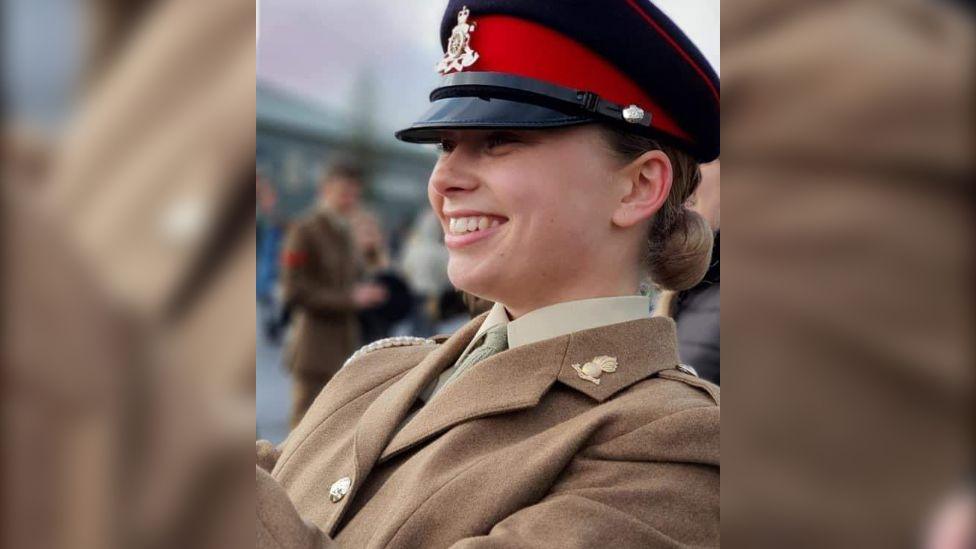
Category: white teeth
[462,225]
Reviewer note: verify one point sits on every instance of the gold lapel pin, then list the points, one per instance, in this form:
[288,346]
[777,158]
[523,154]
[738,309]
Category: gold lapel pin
[592,370]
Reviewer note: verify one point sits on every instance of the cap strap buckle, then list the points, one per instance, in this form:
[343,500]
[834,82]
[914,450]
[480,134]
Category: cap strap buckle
[588,100]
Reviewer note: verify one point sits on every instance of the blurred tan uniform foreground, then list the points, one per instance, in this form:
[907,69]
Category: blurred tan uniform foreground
[848,304]
[128,349]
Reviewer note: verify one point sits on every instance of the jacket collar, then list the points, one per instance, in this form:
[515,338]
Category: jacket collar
[641,349]
[516,379]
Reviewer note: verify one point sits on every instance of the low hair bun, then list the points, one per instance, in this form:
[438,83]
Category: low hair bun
[679,241]
[680,259]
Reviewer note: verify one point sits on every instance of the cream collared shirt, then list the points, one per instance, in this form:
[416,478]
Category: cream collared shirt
[549,322]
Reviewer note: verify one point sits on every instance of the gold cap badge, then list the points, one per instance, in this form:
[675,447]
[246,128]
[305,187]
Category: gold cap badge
[459,53]
[592,370]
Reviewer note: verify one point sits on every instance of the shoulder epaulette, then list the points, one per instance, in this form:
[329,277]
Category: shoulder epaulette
[399,341]
[687,374]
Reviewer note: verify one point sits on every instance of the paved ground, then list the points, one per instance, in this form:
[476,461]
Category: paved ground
[273,396]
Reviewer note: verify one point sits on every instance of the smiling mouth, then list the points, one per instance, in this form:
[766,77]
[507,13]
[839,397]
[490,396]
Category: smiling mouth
[471,224]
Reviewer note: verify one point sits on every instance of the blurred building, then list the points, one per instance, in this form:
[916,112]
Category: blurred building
[298,138]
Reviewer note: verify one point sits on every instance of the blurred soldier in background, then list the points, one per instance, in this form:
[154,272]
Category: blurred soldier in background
[321,267]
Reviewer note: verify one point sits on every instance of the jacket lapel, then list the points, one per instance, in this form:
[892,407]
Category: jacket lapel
[512,380]
[518,378]
[384,415]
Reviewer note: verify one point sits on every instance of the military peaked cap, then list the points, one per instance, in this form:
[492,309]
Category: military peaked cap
[554,63]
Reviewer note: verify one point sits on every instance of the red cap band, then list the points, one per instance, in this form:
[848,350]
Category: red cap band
[515,46]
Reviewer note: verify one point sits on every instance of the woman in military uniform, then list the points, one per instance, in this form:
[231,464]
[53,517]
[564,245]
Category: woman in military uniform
[570,137]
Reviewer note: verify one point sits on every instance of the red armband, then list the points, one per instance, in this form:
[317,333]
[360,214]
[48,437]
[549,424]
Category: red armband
[293,259]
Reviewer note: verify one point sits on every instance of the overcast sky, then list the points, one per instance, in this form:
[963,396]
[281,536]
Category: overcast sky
[327,50]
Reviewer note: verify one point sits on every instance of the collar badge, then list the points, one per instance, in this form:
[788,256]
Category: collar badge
[459,53]
[592,370]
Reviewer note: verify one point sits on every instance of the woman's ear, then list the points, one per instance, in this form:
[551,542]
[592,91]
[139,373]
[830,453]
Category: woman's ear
[646,182]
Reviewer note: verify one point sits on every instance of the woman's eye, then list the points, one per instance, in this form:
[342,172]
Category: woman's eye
[445,146]
[499,139]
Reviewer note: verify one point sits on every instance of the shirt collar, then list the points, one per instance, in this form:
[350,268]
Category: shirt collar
[497,316]
[565,318]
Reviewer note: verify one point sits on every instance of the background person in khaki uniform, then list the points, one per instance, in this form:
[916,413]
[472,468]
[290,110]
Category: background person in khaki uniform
[562,417]
[320,269]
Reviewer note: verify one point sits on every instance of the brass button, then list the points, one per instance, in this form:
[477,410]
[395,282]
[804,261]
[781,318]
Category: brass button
[339,489]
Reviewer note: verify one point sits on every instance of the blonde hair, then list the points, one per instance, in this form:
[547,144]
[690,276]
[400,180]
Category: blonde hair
[679,241]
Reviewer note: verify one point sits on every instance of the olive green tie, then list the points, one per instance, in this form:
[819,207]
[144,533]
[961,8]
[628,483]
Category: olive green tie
[496,341]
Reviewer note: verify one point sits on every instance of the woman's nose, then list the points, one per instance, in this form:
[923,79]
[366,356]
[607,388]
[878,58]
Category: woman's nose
[451,176]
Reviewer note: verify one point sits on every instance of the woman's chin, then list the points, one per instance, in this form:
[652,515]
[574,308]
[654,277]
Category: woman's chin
[475,280]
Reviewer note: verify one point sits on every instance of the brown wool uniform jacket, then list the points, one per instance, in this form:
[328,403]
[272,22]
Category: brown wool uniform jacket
[319,270]
[520,451]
